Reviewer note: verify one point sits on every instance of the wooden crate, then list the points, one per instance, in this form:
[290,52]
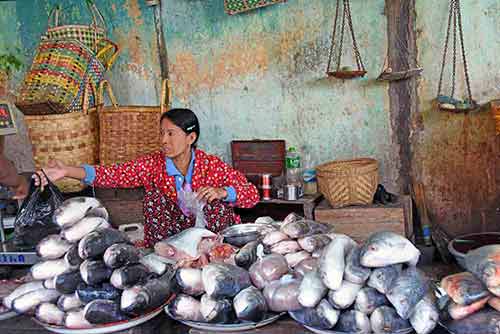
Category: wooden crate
[124,205]
[359,222]
[256,157]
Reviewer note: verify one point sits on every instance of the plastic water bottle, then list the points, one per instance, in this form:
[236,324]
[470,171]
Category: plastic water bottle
[309,177]
[293,175]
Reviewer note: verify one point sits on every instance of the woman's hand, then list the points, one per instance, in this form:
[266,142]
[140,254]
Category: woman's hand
[210,194]
[55,171]
[22,188]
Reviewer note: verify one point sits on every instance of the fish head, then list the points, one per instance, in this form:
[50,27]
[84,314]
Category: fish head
[491,275]
[165,250]
[374,254]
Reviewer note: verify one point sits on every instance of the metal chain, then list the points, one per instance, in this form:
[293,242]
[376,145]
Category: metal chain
[445,47]
[359,61]
[466,70]
[333,38]
[341,37]
[454,65]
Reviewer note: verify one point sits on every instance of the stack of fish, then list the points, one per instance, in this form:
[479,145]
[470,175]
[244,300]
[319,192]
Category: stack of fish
[374,287]
[473,290]
[90,273]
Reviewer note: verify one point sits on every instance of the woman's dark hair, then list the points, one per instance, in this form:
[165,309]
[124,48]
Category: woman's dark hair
[184,119]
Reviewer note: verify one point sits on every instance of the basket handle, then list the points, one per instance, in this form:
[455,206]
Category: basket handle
[100,96]
[86,92]
[97,18]
[110,45]
[166,94]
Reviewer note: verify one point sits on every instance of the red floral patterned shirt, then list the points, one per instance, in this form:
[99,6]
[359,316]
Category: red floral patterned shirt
[150,172]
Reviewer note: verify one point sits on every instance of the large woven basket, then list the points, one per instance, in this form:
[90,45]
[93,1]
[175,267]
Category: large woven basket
[71,138]
[495,111]
[348,182]
[127,132]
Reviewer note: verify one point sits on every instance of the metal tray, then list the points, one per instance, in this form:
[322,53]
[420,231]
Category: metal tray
[244,326]
[8,315]
[103,329]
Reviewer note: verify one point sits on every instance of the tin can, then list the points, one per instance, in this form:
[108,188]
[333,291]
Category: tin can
[291,192]
[266,180]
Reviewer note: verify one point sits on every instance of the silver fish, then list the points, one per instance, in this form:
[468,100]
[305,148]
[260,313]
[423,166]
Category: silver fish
[28,301]
[69,302]
[314,242]
[224,280]
[311,289]
[385,320]
[274,237]
[407,290]
[305,266]
[183,245]
[102,311]
[96,243]
[353,322]
[270,268]
[285,247]
[264,220]
[332,261]
[345,296]
[386,248]
[216,310]
[324,316]
[49,283]
[119,255]
[95,272]
[128,276]
[52,247]
[484,262]
[21,290]
[381,279]
[368,300]
[74,209]
[185,307]
[99,212]
[354,271]
[49,269]
[294,259]
[153,263]
[282,295]
[50,314]
[76,320]
[83,227]
[189,279]
[425,316]
[250,304]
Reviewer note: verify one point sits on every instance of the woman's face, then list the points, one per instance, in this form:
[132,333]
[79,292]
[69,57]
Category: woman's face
[174,140]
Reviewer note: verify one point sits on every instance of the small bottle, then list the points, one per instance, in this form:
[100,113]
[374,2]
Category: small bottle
[293,175]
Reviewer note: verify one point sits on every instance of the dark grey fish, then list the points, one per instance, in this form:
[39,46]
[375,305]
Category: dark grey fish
[381,279]
[149,295]
[484,262]
[354,271]
[102,311]
[407,290]
[68,282]
[190,282]
[119,255]
[218,311]
[72,258]
[324,316]
[247,255]
[96,243]
[223,280]
[368,300]
[250,304]
[486,321]
[385,320]
[353,322]
[95,272]
[88,293]
[185,307]
[128,276]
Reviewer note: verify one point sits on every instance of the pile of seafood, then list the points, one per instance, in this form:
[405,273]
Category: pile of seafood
[474,295]
[90,273]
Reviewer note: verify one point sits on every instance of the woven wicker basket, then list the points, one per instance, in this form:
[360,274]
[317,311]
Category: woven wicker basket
[71,138]
[495,111]
[127,132]
[348,182]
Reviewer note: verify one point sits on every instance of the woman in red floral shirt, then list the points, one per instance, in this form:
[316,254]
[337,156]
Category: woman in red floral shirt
[163,174]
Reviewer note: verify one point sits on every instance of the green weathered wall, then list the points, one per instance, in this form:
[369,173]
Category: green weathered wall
[255,75]
[457,155]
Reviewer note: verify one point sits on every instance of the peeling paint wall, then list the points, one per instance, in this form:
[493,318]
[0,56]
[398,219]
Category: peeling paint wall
[457,156]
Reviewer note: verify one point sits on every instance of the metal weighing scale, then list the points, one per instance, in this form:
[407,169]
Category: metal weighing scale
[10,255]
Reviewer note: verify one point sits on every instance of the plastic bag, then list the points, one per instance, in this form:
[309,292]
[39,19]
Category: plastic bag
[34,220]
[192,206]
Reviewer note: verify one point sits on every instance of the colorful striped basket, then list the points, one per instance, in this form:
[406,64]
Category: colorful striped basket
[239,6]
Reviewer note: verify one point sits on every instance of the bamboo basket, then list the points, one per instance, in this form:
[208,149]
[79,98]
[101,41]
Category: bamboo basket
[348,182]
[71,138]
[127,132]
[495,110]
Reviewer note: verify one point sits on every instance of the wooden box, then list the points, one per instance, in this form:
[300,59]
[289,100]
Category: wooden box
[359,222]
[256,157]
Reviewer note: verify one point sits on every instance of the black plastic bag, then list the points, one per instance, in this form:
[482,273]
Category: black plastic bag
[34,219]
